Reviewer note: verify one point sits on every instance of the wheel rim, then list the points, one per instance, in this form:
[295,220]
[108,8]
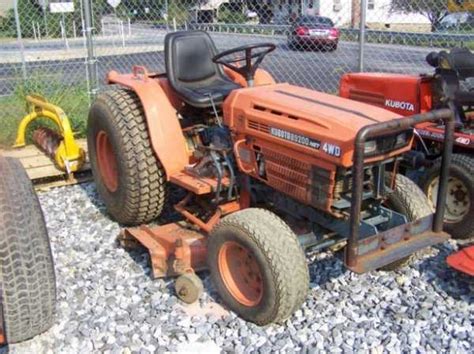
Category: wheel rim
[106,161]
[240,273]
[458,201]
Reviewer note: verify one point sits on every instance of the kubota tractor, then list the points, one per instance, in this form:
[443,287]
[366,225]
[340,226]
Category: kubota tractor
[270,170]
[406,95]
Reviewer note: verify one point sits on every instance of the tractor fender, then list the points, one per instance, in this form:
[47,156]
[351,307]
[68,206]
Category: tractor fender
[166,136]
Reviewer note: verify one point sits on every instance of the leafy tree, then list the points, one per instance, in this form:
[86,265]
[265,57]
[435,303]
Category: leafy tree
[434,10]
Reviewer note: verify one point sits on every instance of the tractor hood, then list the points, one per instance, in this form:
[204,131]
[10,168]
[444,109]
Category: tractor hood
[300,113]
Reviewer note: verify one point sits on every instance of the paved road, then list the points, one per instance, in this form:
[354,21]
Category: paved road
[315,69]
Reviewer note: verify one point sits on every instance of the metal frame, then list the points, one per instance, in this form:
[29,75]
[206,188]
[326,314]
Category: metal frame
[395,126]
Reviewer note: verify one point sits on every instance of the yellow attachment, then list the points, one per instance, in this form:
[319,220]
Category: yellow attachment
[69,156]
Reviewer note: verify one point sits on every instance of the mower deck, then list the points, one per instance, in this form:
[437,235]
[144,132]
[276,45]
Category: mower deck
[463,260]
[174,249]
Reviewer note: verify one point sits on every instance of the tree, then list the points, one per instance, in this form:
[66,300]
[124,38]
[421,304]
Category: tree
[434,10]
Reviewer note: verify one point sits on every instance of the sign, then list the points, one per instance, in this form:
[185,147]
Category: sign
[114,3]
[61,7]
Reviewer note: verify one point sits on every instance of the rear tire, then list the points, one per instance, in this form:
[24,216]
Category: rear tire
[407,199]
[129,177]
[457,222]
[28,284]
[258,266]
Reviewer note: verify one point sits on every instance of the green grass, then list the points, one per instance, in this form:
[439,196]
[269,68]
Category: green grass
[73,100]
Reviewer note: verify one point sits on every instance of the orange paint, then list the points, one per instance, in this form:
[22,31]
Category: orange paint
[165,132]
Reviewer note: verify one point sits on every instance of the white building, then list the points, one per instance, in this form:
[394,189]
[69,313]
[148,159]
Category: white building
[340,11]
[5,5]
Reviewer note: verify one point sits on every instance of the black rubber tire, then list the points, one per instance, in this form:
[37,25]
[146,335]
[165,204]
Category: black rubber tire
[28,284]
[462,167]
[407,199]
[280,257]
[142,186]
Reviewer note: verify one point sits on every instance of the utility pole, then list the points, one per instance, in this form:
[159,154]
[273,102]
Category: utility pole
[90,61]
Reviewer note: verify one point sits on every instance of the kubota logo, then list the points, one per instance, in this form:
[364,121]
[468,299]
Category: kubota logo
[406,106]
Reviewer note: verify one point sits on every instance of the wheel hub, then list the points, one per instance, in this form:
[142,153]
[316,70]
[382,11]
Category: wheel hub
[240,273]
[106,161]
[458,202]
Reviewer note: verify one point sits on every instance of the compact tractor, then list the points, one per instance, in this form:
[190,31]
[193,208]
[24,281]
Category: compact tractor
[447,87]
[271,170]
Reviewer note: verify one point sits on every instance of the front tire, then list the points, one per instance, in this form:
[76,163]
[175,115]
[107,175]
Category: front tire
[407,199]
[459,214]
[258,266]
[28,284]
[129,177]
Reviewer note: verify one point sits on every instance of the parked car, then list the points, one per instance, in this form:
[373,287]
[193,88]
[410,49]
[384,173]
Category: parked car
[313,32]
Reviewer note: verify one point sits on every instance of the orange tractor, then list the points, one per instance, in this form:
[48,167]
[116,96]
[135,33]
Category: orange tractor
[271,170]
[406,95]
[447,87]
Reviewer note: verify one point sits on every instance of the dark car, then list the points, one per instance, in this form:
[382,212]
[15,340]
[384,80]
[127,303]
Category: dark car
[313,32]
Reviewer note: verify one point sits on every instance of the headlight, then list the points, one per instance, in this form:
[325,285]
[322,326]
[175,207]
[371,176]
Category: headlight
[370,147]
[402,139]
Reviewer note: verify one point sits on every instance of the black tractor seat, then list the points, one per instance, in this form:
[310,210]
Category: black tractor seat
[192,74]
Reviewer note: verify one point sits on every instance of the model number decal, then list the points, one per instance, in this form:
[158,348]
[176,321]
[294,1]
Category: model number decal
[332,149]
[296,138]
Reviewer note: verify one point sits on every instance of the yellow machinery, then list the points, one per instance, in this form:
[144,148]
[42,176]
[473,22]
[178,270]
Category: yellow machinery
[460,5]
[59,145]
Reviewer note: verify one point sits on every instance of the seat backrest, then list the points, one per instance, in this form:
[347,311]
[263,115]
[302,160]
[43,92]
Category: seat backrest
[188,59]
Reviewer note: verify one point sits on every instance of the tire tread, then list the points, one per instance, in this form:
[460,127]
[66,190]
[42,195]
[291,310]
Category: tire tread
[28,284]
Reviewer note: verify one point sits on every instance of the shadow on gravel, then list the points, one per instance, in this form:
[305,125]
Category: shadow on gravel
[139,254]
[444,279]
[4,349]
[323,270]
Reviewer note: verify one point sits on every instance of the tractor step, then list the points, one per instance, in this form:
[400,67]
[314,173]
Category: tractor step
[197,185]
[174,248]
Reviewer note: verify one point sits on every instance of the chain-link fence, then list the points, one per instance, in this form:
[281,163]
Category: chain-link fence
[63,49]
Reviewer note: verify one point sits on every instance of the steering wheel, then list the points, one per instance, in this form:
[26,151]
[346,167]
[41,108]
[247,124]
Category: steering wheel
[249,53]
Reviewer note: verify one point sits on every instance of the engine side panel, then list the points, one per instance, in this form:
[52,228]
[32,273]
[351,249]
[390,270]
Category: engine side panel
[402,94]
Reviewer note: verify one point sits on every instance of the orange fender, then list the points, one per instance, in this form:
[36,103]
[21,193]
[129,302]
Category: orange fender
[463,260]
[165,132]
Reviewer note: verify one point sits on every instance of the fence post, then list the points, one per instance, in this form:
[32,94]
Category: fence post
[363,17]
[90,60]
[20,40]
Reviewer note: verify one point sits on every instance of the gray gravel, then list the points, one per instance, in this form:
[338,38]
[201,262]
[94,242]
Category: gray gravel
[107,301]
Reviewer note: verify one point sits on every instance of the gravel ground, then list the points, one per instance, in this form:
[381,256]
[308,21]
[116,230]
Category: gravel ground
[107,301]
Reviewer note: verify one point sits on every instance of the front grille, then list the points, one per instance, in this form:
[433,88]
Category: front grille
[258,126]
